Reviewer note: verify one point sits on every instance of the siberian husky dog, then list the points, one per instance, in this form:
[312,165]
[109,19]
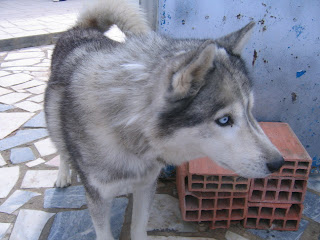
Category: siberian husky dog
[118,112]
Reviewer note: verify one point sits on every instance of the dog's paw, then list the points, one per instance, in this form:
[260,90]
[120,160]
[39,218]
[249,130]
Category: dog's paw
[63,180]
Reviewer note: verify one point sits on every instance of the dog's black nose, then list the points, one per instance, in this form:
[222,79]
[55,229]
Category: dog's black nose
[275,165]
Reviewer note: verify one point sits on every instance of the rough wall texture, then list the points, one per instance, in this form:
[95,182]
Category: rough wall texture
[283,54]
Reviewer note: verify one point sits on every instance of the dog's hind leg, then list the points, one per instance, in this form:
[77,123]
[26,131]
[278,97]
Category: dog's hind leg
[64,178]
[143,195]
[100,208]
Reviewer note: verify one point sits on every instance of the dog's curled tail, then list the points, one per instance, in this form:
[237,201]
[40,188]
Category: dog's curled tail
[102,14]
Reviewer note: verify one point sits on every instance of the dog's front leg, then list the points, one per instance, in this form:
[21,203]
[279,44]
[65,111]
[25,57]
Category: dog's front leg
[100,213]
[143,195]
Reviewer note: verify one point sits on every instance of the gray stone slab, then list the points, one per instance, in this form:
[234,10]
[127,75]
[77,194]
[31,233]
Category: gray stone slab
[311,206]
[37,121]
[281,235]
[78,224]
[70,197]
[19,155]
[16,200]
[314,182]
[165,215]
[22,137]
[5,107]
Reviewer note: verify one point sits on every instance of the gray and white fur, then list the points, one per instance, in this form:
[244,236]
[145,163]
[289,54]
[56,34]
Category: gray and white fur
[117,112]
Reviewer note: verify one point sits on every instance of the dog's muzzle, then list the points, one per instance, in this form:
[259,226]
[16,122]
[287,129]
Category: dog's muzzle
[275,165]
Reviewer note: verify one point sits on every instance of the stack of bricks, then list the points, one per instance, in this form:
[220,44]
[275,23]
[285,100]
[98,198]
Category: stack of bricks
[210,193]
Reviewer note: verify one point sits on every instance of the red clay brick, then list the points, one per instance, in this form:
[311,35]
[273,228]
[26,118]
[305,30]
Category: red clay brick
[297,160]
[278,190]
[206,176]
[273,216]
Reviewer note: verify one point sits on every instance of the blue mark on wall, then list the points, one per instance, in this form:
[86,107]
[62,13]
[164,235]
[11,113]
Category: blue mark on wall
[298,29]
[300,73]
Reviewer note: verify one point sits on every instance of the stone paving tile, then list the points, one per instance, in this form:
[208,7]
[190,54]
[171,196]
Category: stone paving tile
[54,162]
[15,55]
[39,179]
[3,229]
[3,73]
[281,235]
[165,215]
[10,122]
[19,155]
[70,197]
[37,121]
[233,236]
[38,98]
[2,161]
[29,224]
[28,84]
[4,107]
[16,200]
[24,62]
[45,147]
[311,200]
[22,137]
[8,178]
[35,162]
[4,91]
[13,97]
[178,238]
[14,79]
[29,106]
[37,90]
[78,224]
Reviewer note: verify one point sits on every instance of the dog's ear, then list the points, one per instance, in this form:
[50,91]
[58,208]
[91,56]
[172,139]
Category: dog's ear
[236,41]
[189,77]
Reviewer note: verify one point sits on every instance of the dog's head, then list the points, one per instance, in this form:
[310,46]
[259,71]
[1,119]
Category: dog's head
[207,110]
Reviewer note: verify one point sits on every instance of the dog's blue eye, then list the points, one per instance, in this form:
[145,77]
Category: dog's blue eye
[224,121]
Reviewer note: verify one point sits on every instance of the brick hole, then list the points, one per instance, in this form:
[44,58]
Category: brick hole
[239,194]
[259,183]
[303,164]
[197,186]
[270,195]
[223,203]
[237,213]
[222,214]
[197,178]
[207,203]
[191,202]
[192,215]
[186,181]
[251,222]
[301,171]
[277,224]
[213,178]
[256,195]
[238,202]
[212,186]
[253,211]
[224,194]
[296,197]
[221,224]
[285,184]
[241,187]
[266,212]
[287,171]
[208,194]
[291,224]
[206,215]
[283,196]
[272,183]
[235,221]
[294,211]
[264,223]
[280,212]
[241,179]
[289,164]
[299,184]
[225,186]
[227,179]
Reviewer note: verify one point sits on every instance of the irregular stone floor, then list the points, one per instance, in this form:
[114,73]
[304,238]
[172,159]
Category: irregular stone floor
[31,208]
